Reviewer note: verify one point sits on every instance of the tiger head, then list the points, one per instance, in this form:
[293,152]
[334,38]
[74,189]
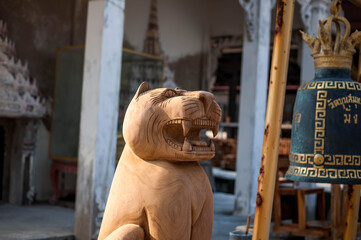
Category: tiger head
[165,124]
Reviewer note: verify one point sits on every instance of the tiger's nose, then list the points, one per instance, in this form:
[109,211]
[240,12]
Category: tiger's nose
[205,97]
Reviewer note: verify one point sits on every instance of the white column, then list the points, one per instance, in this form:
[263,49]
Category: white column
[99,113]
[254,82]
[311,11]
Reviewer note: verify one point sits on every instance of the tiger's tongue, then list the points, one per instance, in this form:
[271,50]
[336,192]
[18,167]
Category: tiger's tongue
[188,147]
[186,126]
[198,143]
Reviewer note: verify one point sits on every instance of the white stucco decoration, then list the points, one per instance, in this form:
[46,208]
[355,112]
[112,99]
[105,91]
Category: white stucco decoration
[310,8]
[3,29]
[250,18]
[7,46]
[19,96]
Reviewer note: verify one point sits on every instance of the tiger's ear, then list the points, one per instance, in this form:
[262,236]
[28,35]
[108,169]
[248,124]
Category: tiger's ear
[144,86]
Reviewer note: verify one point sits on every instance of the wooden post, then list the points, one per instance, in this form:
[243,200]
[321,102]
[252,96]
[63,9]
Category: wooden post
[276,95]
[353,203]
[336,208]
[301,209]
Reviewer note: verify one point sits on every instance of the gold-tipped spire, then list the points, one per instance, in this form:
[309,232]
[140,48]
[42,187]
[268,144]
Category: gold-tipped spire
[326,53]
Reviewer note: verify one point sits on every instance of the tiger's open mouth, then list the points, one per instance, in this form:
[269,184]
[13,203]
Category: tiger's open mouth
[184,135]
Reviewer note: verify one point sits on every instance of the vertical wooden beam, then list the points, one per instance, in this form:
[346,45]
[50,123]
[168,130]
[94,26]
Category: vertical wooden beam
[277,214]
[321,203]
[335,210]
[301,205]
[353,204]
[276,96]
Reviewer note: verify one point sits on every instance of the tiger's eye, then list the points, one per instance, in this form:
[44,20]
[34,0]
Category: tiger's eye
[169,93]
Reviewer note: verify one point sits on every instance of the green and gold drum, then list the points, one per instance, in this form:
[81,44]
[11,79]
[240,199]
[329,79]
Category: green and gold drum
[326,128]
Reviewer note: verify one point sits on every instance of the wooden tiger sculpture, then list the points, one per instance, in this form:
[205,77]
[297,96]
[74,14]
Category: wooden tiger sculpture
[159,190]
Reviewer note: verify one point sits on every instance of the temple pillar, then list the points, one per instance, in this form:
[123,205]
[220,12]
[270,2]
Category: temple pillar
[311,12]
[99,113]
[253,98]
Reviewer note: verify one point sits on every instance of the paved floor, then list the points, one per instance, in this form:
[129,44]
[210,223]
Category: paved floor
[224,221]
[52,222]
[42,222]
[35,222]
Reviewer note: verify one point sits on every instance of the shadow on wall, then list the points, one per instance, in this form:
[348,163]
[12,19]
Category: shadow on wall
[188,71]
[38,28]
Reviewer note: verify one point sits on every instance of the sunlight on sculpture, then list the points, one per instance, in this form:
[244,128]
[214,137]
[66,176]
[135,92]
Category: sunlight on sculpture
[159,190]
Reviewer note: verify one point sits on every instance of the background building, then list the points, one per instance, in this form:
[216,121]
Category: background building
[219,46]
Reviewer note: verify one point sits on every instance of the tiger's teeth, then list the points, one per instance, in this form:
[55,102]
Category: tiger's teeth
[213,148]
[186,127]
[215,130]
[187,146]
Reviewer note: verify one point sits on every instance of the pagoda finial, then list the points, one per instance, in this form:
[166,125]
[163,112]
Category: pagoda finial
[152,43]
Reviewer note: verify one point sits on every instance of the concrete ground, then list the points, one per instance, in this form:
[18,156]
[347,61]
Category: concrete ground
[223,220]
[48,222]
[53,222]
[36,222]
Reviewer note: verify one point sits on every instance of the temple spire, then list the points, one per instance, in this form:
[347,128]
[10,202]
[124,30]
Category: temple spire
[152,43]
